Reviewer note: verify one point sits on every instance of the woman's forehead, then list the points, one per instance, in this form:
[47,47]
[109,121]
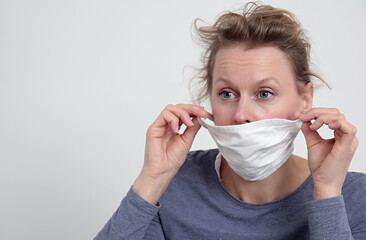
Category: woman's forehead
[258,63]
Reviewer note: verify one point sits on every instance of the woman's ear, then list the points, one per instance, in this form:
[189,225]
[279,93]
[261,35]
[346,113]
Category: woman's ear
[307,97]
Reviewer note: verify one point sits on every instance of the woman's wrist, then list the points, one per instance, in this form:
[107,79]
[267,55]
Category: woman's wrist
[326,192]
[151,188]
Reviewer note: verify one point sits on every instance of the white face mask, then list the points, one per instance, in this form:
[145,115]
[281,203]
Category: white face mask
[255,150]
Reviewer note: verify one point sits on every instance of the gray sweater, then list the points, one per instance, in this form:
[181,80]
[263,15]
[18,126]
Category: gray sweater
[196,206]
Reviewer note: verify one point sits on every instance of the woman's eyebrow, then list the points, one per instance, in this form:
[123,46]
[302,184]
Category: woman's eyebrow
[260,82]
[268,80]
[222,79]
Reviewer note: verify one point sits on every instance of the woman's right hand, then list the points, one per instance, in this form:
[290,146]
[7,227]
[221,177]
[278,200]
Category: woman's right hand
[166,149]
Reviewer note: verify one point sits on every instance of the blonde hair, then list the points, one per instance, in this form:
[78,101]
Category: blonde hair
[257,25]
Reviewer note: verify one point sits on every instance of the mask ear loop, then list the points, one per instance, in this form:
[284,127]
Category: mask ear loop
[211,117]
[202,122]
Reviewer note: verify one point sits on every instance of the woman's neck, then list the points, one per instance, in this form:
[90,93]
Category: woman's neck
[281,183]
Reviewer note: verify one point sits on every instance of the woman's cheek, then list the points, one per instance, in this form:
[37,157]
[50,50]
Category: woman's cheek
[223,115]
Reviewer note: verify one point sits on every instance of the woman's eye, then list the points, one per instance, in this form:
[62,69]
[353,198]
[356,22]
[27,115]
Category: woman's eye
[265,94]
[227,95]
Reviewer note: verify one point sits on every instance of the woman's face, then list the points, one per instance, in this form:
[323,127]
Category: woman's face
[254,84]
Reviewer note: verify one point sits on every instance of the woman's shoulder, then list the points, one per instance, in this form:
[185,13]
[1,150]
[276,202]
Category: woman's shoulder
[354,179]
[354,194]
[194,177]
[201,157]
[198,164]
[354,187]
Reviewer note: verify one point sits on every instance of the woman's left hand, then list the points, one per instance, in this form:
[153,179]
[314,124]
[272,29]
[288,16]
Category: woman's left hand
[329,159]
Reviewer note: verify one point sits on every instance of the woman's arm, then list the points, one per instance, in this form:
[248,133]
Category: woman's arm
[165,152]
[342,217]
[329,160]
[131,220]
[328,219]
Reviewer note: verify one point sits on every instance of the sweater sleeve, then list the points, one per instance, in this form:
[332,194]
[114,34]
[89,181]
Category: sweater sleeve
[133,219]
[328,219]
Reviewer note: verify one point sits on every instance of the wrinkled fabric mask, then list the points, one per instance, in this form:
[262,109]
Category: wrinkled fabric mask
[255,150]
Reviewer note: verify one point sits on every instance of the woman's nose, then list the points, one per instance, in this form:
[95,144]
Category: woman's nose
[244,112]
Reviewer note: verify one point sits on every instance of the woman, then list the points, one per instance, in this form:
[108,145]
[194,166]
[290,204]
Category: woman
[256,75]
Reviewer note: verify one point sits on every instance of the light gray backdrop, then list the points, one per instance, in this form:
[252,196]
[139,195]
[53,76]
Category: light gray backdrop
[81,80]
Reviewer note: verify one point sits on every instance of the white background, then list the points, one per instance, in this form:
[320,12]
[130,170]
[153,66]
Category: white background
[81,80]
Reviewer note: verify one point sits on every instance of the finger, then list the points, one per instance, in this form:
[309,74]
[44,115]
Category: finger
[187,111]
[159,127]
[172,114]
[344,130]
[175,115]
[194,110]
[190,133]
[182,115]
[342,125]
[169,118]
[335,122]
[324,118]
[312,137]
[314,113]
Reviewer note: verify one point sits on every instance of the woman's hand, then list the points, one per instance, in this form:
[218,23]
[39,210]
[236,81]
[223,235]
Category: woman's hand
[166,149]
[329,159]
